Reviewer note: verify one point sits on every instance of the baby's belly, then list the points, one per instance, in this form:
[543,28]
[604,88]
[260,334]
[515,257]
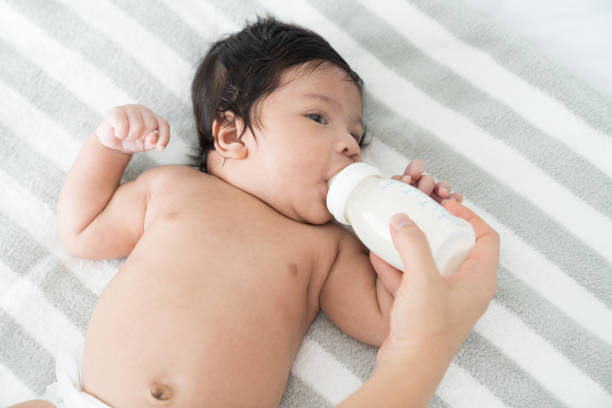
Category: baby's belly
[204,335]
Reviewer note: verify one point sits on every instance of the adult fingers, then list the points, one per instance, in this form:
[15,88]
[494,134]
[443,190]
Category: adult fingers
[414,250]
[480,267]
[389,275]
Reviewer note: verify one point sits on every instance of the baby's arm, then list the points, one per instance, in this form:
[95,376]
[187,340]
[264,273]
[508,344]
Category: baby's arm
[353,297]
[96,217]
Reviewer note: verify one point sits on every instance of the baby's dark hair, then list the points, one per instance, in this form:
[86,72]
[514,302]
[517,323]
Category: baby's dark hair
[243,68]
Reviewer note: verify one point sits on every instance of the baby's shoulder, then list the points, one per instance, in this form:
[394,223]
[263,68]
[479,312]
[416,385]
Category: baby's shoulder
[162,176]
[332,233]
[169,171]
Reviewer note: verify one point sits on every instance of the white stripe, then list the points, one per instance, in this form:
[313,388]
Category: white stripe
[28,306]
[335,383]
[13,389]
[23,209]
[43,135]
[62,64]
[477,67]
[543,362]
[75,73]
[162,62]
[36,129]
[460,390]
[521,259]
[544,277]
[203,18]
[494,157]
[324,373]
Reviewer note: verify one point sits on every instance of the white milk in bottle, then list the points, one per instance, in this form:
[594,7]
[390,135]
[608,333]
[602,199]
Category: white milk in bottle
[359,196]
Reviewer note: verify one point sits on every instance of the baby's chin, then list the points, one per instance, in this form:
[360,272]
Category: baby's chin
[321,215]
[316,214]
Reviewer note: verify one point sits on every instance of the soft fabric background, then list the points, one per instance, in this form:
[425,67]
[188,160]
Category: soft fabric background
[508,101]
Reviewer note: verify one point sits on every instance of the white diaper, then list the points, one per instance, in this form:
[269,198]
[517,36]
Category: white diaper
[67,391]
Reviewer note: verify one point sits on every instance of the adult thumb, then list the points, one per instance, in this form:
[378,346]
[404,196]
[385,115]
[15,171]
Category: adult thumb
[413,247]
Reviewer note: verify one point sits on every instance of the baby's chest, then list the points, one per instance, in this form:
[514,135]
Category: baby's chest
[230,242]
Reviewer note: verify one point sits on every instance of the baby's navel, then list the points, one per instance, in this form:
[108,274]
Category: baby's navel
[161,392]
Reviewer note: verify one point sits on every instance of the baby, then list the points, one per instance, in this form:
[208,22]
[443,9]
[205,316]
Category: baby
[227,265]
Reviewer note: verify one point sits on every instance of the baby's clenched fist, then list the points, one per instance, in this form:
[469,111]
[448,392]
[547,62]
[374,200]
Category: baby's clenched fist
[133,129]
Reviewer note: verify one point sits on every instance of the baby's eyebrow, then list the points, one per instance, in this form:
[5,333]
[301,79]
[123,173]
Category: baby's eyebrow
[324,98]
[331,101]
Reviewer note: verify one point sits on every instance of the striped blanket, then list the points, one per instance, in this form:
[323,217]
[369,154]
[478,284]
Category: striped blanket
[529,146]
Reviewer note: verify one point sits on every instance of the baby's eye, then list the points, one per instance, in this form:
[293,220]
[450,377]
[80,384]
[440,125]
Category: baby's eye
[317,118]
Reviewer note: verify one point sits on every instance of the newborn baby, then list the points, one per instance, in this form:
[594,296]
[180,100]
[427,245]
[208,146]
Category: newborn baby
[227,265]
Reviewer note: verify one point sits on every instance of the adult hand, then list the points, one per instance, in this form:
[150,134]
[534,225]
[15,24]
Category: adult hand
[432,312]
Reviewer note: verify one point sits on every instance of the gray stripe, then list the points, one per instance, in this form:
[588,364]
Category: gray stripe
[519,57]
[29,169]
[61,106]
[536,227]
[584,350]
[46,94]
[513,386]
[20,252]
[437,402]
[357,357]
[24,356]
[156,17]
[299,394]
[61,23]
[36,174]
[438,81]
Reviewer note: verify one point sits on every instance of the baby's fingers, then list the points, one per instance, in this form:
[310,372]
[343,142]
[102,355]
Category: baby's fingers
[150,141]
[118,122]
[415,170]
[458,197]
[442,189]
[137,125]
[163,129]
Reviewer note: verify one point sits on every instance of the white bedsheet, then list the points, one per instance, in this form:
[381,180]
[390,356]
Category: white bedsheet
[576,34]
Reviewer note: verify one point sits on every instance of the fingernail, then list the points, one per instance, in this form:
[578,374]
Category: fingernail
[443,191]
[407,179]
[400,220]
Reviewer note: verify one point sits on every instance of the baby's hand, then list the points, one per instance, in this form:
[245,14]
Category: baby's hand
[133,129]
[413,175]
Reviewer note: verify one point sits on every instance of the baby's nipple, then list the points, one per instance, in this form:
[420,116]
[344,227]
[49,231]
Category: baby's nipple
[161,392]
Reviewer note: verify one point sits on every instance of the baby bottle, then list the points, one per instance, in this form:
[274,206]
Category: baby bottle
[359,196]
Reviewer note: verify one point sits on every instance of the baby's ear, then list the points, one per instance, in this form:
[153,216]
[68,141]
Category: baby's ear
[227,134]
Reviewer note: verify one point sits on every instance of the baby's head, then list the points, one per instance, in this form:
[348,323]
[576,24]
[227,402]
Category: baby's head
[278,112]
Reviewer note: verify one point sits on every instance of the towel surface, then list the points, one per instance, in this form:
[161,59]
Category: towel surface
[526,141]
